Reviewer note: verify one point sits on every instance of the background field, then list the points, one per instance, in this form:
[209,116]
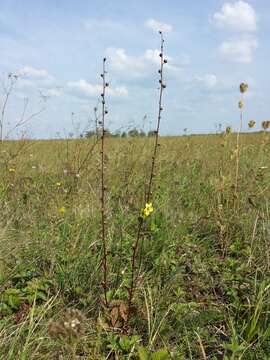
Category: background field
[204,281]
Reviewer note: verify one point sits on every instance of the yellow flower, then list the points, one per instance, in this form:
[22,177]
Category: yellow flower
[62,210]
[148,209]
[58,184]
[11,170]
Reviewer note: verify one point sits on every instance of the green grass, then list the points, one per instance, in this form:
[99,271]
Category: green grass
[203,290]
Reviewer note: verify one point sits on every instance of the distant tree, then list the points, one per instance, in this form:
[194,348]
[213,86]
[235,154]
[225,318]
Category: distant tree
[133,133]
[142,133]
[90,133]
[151,133]
[117,134]
[124,134]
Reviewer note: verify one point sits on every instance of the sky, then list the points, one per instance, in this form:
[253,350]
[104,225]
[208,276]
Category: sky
[57,47]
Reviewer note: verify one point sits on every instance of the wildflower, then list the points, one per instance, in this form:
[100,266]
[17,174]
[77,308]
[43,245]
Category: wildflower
[241,104]
[58,184]
[251,124]
[243,87]
[71,327]
[148,209]
[62,210]
[11,170]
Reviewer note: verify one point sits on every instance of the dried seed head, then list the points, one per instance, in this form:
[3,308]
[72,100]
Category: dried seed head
[251,124]
[266,124]
[107,84]
[241,104]
[165,61]
[243,87]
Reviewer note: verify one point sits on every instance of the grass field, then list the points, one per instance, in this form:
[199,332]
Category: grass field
[203,264]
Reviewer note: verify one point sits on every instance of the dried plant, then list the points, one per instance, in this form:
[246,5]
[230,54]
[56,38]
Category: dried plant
[103,187]
[148,207]
[265,124]
[8,84]
[243,88]
[251,124]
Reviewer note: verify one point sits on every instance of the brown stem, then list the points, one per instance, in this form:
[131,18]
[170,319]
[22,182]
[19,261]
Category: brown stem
[103,188]
[135,247]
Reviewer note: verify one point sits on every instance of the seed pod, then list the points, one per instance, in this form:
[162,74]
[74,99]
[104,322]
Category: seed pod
[241,104]
[243,88]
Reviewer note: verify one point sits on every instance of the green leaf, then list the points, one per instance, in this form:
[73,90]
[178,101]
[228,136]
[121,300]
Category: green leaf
[160,355]
[143,353]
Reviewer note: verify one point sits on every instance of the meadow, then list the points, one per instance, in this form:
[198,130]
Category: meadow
[203,266]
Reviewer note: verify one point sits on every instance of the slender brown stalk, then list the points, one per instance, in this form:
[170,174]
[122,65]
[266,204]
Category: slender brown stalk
[103,187]
[243,89]
[136,245]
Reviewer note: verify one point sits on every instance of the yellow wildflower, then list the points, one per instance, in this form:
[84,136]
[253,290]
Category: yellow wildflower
[148,209]
[62,210]
[11,170]
[58,184]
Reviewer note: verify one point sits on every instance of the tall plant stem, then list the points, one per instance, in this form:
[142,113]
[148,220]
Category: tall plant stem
[237,160]
[136,245]
[103,188]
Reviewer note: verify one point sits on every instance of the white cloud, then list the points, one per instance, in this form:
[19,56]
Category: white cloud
[30,72]
[54,92]
[98,25]
[158,26]
[129,66]
[239,16]
[238,50]
[125,64]
[82,87]
[31,78]
[209,81]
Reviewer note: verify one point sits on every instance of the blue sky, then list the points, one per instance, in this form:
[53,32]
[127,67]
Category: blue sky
[57,47]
